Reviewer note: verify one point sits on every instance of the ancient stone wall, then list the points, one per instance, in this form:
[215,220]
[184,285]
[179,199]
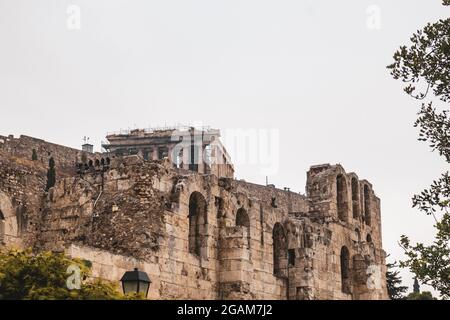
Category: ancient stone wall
[203,237]
[22,184]
[24,145]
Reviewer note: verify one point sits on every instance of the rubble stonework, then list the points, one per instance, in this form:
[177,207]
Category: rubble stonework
[200,236]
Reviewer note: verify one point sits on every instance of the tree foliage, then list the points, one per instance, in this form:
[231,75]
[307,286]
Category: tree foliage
[44,276]
[424,67]
[426,62]
[395,290]
[420,296]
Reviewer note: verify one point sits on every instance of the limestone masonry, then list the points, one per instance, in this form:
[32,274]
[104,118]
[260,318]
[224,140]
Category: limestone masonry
[167,203]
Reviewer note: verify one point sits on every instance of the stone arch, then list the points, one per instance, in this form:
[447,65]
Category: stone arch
[198,219]
[345,270]
[279,250]
[341,197]
[243,220]
[355,198]
[369,238]
[367,213]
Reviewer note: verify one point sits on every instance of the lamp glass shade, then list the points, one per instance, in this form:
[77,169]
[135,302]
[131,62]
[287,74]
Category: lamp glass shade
[130,286]
[143,288]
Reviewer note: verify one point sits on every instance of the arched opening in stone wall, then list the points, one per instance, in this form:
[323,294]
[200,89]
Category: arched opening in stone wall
[367,213]
[197,223]
[2,226]
[369,238]
[355,198]
[243,220]
[279,250]
[345,270]
[341,195]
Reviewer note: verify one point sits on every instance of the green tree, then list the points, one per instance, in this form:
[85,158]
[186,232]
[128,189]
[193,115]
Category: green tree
[424,67]
[34,155]
[44,276]
[420,296]
[51,174]
[394,281]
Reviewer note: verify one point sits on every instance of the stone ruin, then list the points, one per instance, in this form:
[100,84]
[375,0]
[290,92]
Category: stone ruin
[197,233]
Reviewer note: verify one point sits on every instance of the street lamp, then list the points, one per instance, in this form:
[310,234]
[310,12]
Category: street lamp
[135,282]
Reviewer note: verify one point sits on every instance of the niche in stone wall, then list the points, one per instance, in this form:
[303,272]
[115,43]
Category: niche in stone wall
[279,250]
[355,198]
[198,214]
[345,270]
[243,220]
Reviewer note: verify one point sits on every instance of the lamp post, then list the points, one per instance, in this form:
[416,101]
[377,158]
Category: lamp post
[135,282]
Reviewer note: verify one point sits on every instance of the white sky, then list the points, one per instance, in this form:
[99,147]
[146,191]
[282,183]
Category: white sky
[311,69]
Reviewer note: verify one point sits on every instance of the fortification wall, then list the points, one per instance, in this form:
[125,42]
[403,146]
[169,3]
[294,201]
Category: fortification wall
[204,237]
[24,145]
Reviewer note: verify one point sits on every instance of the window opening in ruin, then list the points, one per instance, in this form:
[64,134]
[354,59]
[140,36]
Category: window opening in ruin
[163,152]
[193,164]
[367,213]
[274,202]
[355,198]
[133,151]
[147,154]
[369,238]
[279,250]
[197,223]
[345,270]
[291,257]
[242,220]
[341,195]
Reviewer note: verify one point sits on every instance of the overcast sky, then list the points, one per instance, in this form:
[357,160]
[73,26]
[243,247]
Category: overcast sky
[311,70]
